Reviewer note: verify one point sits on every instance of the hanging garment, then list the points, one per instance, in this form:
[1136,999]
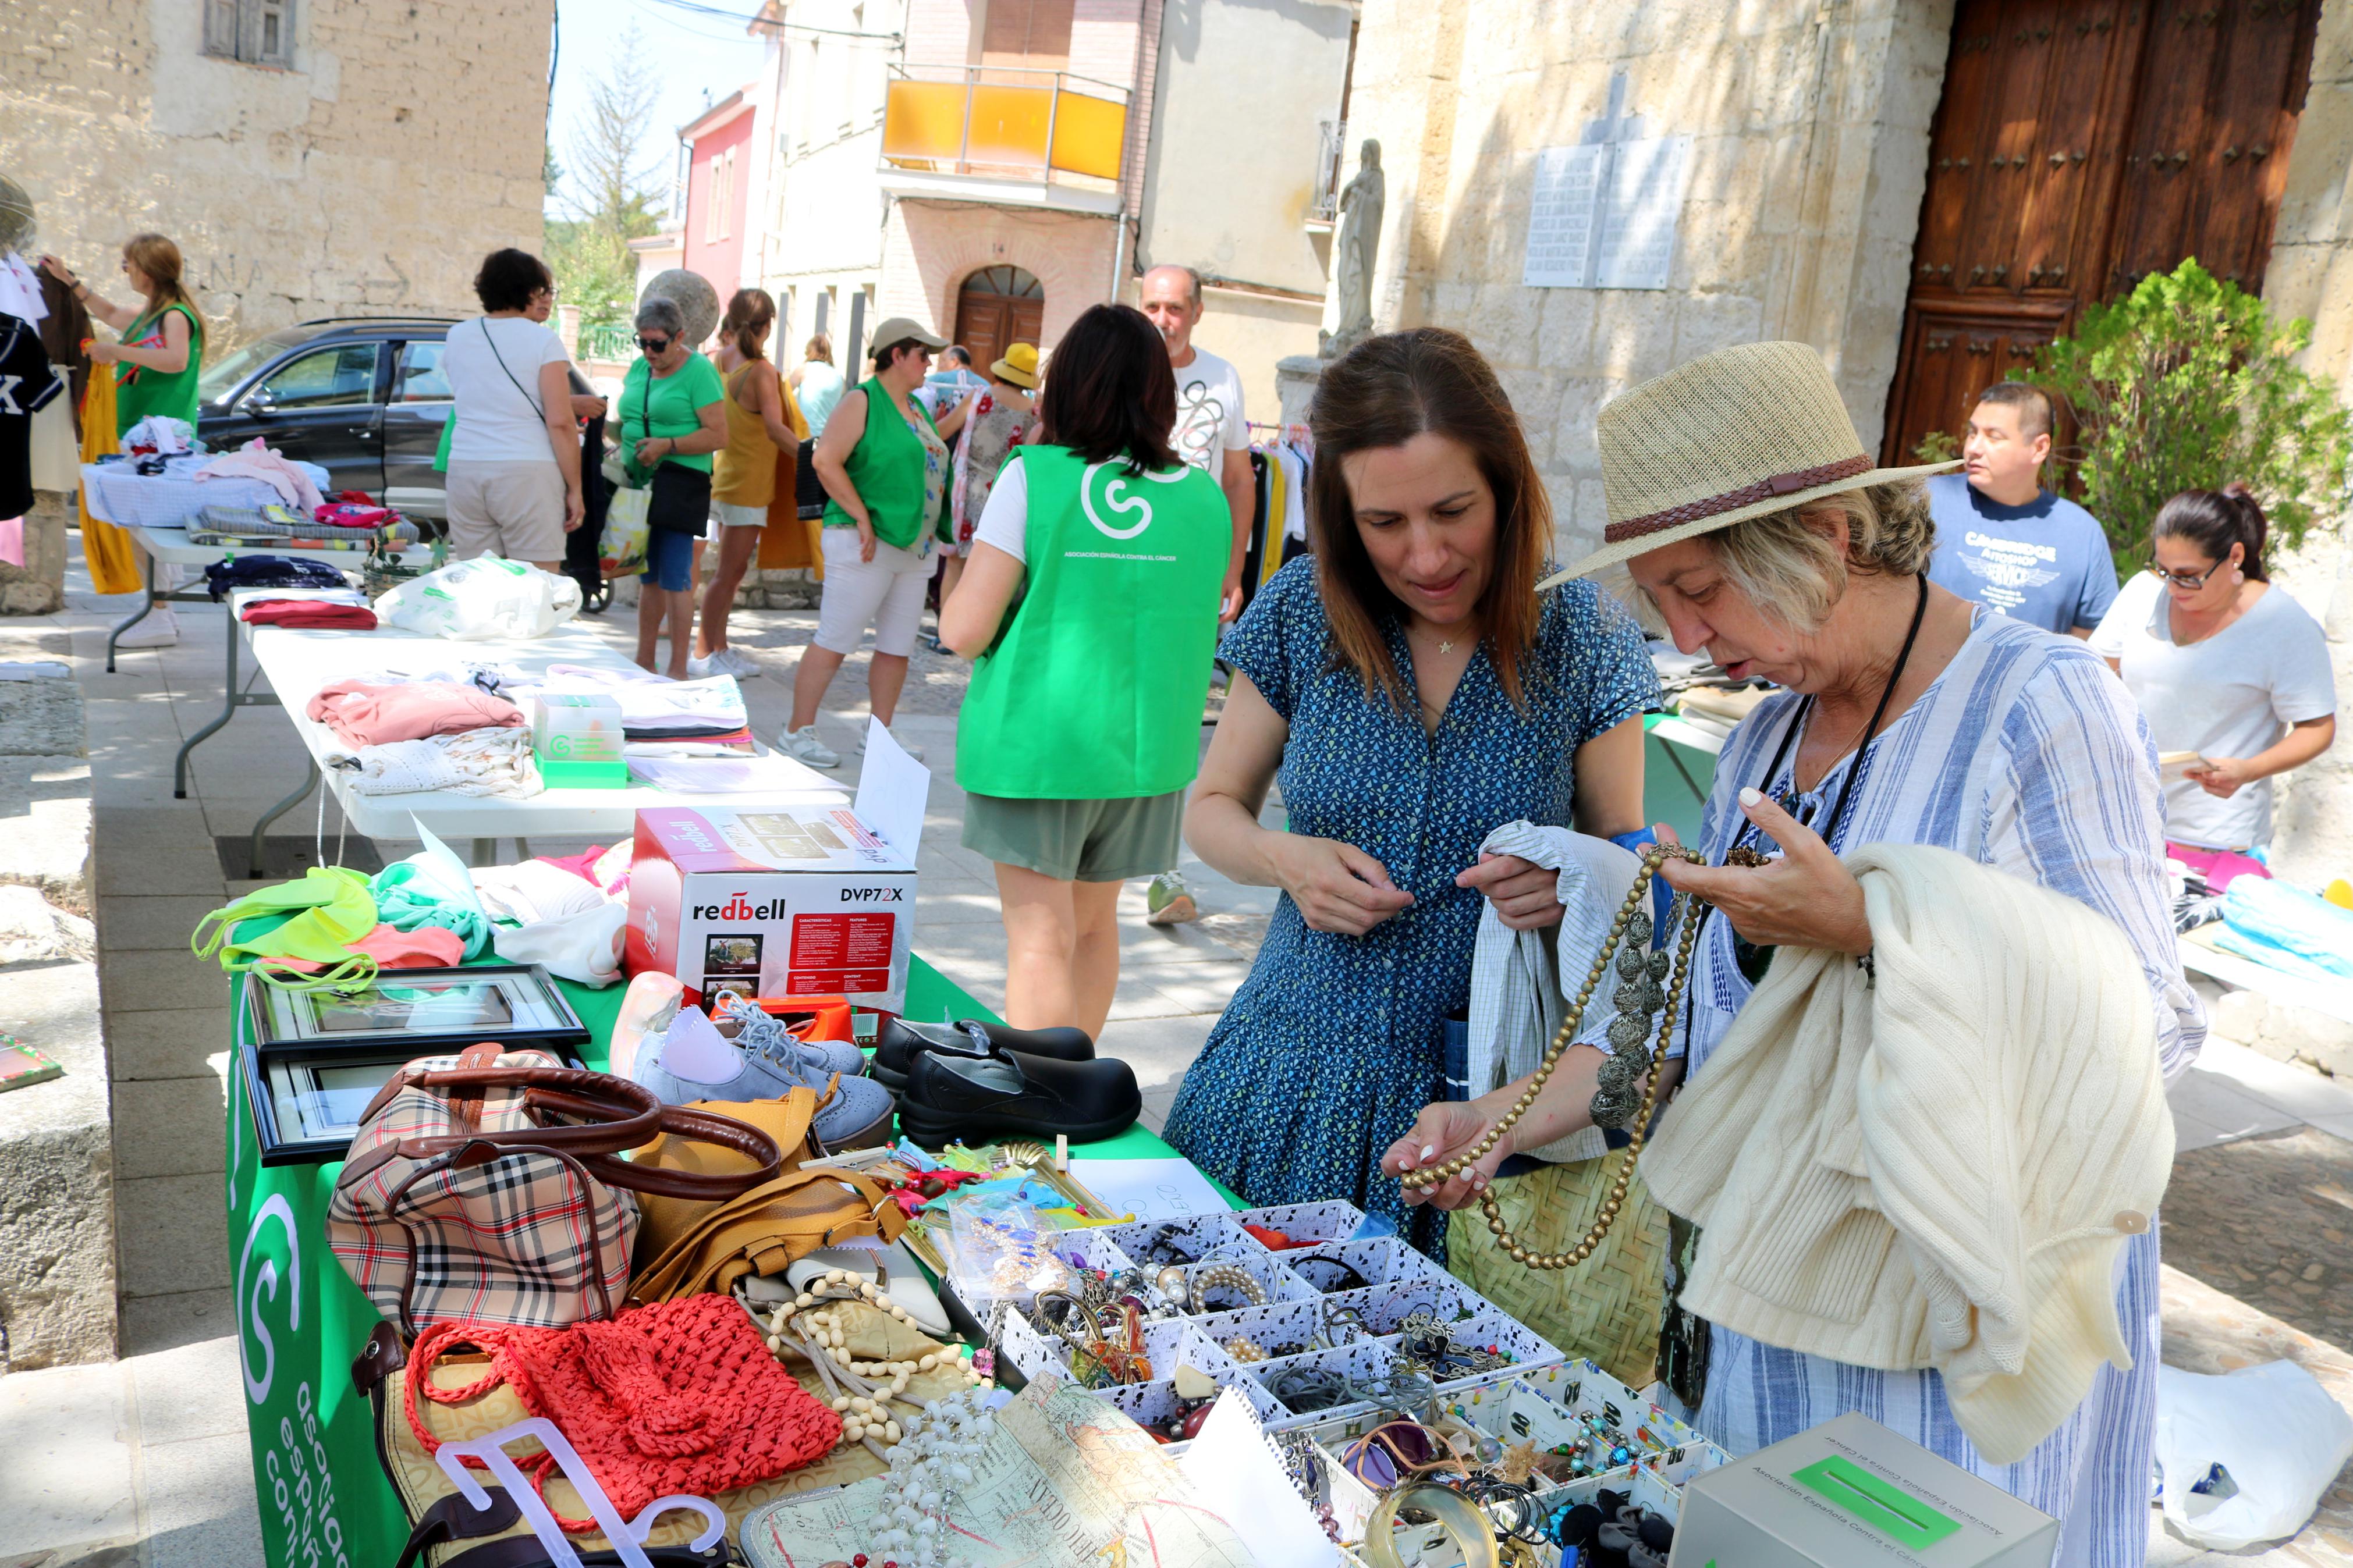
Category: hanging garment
[56,451]
[63,332]
[112,557]
[1935,1161]
[27,385]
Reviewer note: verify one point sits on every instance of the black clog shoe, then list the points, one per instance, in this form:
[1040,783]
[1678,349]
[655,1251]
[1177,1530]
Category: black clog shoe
[900,1042]
[1014,1095]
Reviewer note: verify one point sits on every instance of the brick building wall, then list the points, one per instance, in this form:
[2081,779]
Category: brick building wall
[369,178]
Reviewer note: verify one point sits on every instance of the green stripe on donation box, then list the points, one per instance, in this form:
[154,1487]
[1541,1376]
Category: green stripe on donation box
[1888,1509]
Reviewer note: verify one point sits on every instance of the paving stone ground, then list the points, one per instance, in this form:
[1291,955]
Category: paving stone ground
[2270,1220]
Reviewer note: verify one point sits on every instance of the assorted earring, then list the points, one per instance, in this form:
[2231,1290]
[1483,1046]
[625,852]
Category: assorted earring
[1304,1466]
[861,1391]
[1647,983]
[1430,1342]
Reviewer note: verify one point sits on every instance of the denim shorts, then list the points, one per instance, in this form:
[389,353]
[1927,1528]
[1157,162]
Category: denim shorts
[669,559]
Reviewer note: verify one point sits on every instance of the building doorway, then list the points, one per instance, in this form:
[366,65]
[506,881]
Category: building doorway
[997,308]
[2081,145]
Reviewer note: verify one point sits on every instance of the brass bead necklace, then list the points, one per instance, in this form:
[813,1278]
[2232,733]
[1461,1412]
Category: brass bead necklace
[1640,992]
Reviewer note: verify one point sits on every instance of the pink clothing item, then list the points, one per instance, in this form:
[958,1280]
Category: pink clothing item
[427,947]
[606,870]
[582,865]
[257,460]
[364,714]
[2221,867]
[12,541]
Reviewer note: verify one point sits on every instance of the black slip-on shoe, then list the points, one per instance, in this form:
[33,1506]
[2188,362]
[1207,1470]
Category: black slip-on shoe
[1011,1095]
[900,1042]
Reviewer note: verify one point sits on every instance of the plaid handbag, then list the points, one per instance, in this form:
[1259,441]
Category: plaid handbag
[485,1188]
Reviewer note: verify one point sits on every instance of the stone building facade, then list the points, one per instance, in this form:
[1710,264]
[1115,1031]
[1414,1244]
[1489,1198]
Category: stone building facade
[365,175]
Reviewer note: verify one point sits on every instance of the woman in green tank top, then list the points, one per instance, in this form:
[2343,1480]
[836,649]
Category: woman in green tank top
[1091,603]
[162,342]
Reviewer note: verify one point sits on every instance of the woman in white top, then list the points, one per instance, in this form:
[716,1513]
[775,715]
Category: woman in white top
[2222,665]
[514,462]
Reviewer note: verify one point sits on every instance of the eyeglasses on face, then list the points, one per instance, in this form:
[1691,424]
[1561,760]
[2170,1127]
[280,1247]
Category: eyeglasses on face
[2191,580]
[654,345]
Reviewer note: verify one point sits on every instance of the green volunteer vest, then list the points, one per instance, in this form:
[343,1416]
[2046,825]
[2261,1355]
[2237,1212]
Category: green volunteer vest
[886,469]
[1094,689]
[142,389]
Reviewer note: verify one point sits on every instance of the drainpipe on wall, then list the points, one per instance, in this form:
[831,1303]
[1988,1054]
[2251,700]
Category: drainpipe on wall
[1118,255]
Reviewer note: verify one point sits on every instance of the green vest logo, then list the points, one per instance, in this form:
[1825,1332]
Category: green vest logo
[1112,481]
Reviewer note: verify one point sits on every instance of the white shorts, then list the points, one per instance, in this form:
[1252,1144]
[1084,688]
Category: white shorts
[727,514]
[886,592]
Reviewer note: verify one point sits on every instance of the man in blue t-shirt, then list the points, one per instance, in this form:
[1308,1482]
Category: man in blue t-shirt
[2003,539]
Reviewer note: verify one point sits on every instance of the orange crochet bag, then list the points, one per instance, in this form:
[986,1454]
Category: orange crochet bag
[680,1397]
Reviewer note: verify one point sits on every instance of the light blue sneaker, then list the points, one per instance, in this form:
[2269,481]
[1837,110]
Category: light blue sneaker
[851,1113]
[755,1025]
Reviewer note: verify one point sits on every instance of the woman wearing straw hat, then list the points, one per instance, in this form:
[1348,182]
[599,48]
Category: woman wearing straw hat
[996,418]
[1740,500]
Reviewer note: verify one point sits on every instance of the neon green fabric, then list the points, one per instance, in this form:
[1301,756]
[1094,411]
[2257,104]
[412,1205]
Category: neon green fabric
[1094,689]
[888,470]
[327,911]
[405,903]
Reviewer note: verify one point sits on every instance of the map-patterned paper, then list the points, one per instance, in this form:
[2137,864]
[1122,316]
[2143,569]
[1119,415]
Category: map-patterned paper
[1065,1481]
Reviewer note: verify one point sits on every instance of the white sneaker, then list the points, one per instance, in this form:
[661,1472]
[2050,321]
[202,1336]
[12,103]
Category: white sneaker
[157,629]
[738,664]
[913,749]
[803,746]
[702,667]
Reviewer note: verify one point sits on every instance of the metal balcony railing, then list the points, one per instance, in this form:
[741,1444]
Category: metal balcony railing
[1331,151]
[1004,122]
[610,343]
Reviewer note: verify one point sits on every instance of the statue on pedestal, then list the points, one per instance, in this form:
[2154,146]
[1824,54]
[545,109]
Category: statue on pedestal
[1353,245]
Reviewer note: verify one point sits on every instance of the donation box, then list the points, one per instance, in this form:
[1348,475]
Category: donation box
[783,900]
[1849,1493]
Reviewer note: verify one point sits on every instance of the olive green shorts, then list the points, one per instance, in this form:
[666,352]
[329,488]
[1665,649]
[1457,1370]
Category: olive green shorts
[1078,840]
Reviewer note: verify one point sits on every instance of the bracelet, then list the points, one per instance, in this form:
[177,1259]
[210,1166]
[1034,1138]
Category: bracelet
[1349,1278]
[1450,1509]
[1225,1276]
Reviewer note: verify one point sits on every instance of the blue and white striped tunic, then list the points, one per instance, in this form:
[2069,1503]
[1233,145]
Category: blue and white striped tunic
[2026,754]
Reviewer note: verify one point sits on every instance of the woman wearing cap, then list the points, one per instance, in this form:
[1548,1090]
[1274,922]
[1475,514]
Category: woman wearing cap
[884,466]
[1092,606]
[996,419]
[1911,717]
[1412,691]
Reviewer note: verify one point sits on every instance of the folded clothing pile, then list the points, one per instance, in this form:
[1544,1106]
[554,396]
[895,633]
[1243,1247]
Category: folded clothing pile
[257,461]
[365,712]
[471,761]
[655,709]
[314,609]
[270,572]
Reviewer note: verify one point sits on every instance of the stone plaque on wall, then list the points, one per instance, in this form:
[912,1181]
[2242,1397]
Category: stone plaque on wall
[1603,215]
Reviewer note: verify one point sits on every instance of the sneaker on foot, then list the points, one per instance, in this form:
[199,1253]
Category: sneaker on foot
[702,667]
[736,663]
[905,745]
[803,746]
[1168,901]
[157,629]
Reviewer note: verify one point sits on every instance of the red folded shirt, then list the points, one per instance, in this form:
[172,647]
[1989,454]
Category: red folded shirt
[308,615]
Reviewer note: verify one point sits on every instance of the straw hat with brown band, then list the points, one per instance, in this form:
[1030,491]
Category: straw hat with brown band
[1747,430]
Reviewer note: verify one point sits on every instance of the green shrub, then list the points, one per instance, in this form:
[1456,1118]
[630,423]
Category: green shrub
[2187,384]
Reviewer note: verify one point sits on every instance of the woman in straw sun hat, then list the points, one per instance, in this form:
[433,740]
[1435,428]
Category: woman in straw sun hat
[1741,501]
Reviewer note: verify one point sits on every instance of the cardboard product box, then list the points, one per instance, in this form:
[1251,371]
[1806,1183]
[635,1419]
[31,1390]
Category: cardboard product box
[1850,1493]
[792,900]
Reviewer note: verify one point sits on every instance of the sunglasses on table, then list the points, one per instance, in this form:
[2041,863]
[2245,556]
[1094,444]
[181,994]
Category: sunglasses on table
[654,345]
[2184,579]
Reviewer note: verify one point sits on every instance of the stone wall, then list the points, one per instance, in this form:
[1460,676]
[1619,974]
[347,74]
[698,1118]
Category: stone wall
[368,179]
[1811,133]
[931,248]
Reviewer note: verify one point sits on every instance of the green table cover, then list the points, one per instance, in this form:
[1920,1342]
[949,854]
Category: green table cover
[325,1500]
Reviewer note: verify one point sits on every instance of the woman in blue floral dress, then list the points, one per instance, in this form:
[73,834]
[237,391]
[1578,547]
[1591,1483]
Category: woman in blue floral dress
[1411,692]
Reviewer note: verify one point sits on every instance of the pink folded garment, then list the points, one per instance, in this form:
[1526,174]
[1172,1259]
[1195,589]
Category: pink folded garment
[361,713]
[256,459]
[427,947]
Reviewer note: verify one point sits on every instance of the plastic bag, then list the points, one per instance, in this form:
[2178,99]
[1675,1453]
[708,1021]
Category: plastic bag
[484,597]
[621,549]
[2245,1456]
[996,1249]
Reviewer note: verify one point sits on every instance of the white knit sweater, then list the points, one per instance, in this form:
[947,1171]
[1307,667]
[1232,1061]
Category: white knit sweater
[1935,1168]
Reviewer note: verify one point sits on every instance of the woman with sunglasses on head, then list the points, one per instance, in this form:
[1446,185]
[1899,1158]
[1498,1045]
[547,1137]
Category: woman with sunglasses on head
[2225,666]
[1943,835]
[673,417]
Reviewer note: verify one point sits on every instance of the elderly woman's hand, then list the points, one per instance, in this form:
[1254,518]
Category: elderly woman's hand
[1525,895]
[653,449]
[1804,899]
[1437,1135]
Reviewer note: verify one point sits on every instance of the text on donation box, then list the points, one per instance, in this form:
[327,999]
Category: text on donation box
[795,901]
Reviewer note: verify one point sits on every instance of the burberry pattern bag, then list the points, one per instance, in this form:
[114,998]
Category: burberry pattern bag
[486,1188]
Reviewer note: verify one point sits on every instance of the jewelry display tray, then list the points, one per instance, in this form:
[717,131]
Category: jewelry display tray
[1403,1281]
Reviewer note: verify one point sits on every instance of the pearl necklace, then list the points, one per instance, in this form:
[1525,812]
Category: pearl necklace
[861,1391]
[927,1472]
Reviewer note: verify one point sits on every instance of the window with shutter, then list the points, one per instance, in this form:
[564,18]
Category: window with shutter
[273,33]
[259,32]
[220,28]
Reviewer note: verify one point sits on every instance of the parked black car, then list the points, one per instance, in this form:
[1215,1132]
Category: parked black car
[362,397]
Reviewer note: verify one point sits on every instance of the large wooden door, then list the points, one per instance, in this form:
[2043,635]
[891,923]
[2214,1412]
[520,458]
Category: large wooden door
[2080,145]
[997,308]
